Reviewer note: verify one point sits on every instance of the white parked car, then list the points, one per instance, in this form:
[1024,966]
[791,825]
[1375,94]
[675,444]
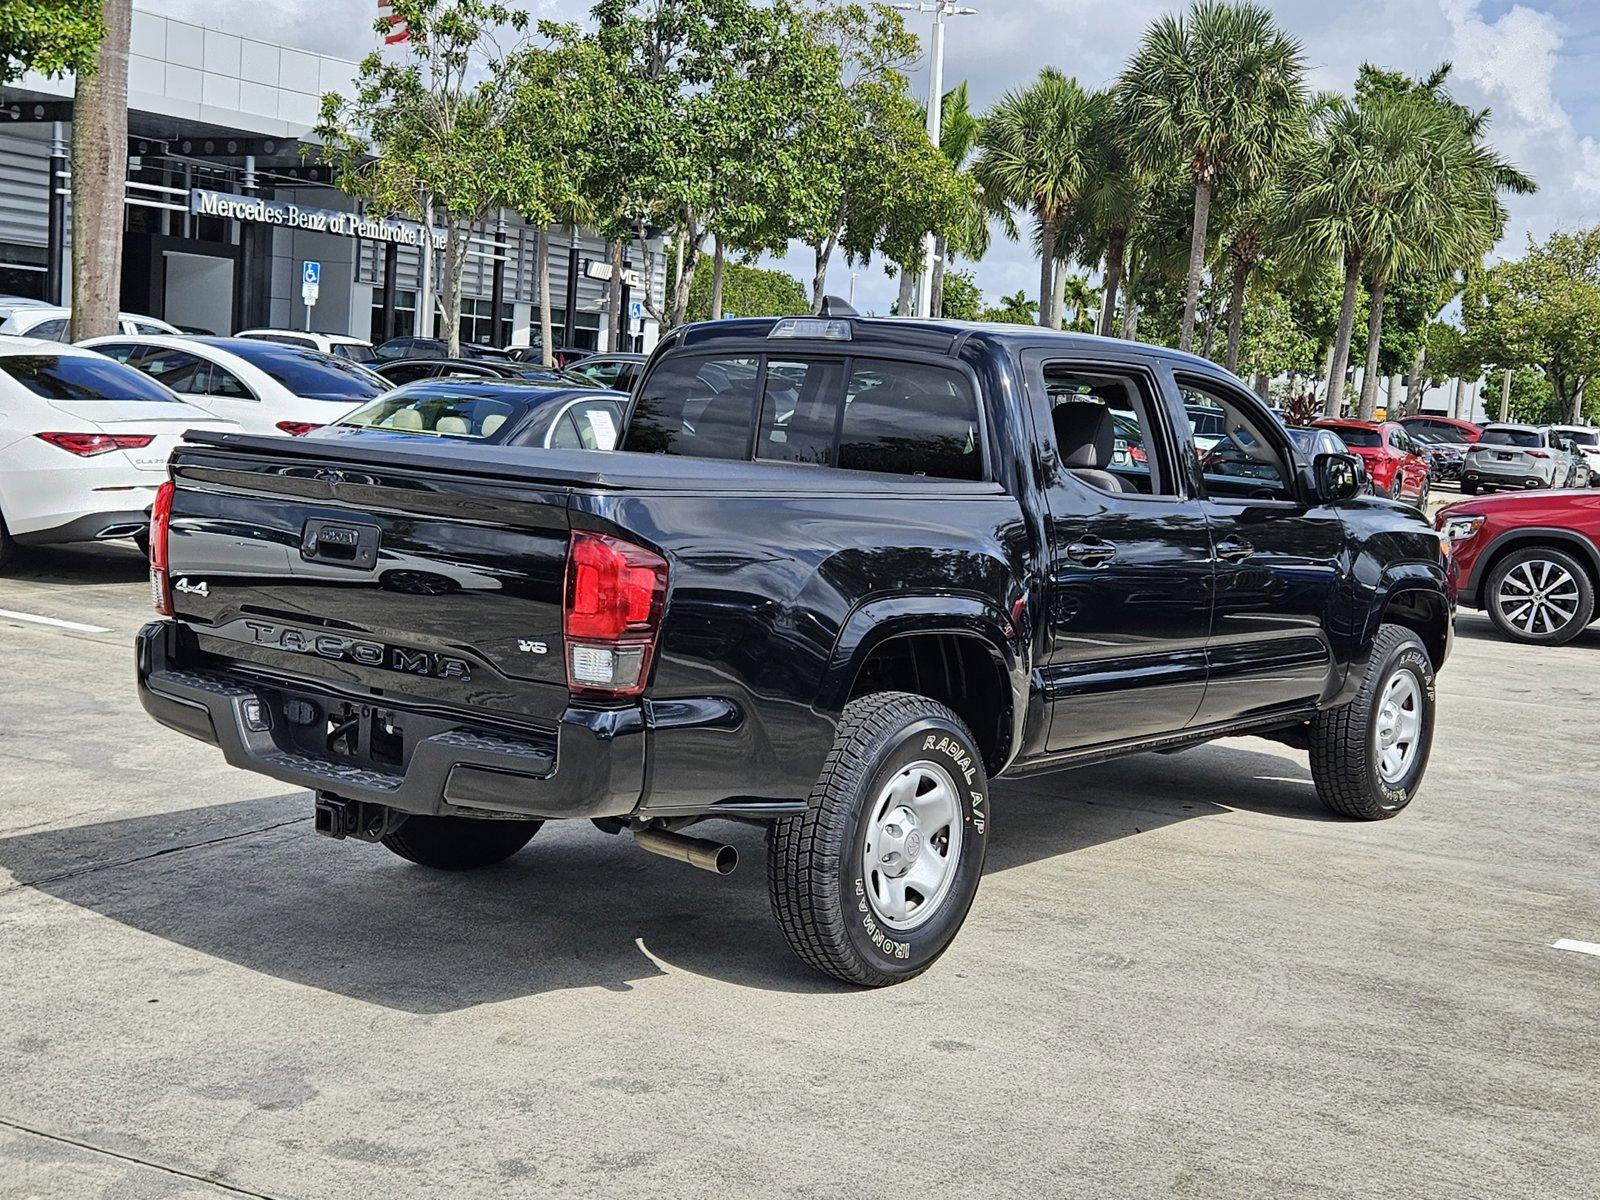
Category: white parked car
[28,319]
[356,349]
[84,443]
[263,387]
[1587,440]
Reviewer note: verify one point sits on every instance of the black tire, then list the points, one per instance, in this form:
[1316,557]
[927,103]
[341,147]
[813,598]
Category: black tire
[459,843]
[1469,489]
[1510,619]
[816,874]
[142,540]
[1345,763]
[8,548]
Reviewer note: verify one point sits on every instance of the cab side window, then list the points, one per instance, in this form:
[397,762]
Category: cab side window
[1104,422]
[1238,460]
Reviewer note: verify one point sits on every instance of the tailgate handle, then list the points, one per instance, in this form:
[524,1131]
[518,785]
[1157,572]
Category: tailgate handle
[340,544]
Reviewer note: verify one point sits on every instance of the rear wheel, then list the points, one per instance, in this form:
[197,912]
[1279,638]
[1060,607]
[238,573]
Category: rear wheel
[872,883]
[8,548]
[459,843]
[1469,489]
[1368,757]
[1541,596]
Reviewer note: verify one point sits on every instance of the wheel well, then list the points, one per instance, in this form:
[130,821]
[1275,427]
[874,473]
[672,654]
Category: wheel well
[961,672]
[1427,615]
[1534,541]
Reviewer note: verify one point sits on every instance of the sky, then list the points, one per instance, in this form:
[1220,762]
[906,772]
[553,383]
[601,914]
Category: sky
[1536,65]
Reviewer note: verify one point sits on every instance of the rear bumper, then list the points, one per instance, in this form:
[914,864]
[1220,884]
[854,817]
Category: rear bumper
[591,765]
[91,527]
[1503,479]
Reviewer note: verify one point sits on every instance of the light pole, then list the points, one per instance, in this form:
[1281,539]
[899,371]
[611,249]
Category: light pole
[940,10]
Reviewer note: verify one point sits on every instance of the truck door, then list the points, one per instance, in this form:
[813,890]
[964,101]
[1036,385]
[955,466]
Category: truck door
[1128,593]
[1279,557]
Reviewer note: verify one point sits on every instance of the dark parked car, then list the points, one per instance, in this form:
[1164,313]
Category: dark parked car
[841,573]
[504,412]
[412,369]
[1311,442]
[416,347]
[1443,453]
[1531,560]
[618,371]
[565,356]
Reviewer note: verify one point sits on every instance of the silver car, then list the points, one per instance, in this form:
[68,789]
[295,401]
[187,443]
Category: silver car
[1586,441]
[1514,456]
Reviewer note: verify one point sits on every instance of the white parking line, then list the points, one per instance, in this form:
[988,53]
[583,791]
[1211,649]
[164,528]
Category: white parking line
[52,621]
[1580,947]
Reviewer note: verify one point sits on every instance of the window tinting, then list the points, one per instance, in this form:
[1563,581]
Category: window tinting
[1527,438]
[441,411]
[589,425]
[696,406]
[307,373]
[910,419]
[53,330]
[1104,429]
[75,377]
[1358,437]
[1238,460]
[178,369]
[799,411]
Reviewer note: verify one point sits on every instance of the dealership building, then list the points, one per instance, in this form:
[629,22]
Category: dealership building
[225,207]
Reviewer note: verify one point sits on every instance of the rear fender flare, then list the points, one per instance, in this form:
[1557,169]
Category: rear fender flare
[878,621]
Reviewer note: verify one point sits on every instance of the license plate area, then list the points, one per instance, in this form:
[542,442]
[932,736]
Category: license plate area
[340,544]
[1503,457]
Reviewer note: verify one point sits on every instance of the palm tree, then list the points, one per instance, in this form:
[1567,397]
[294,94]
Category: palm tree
[959,130]
[1015,309]
[1219,90]
[1393,181]
[1033,153]
[99,175]
[1254,225]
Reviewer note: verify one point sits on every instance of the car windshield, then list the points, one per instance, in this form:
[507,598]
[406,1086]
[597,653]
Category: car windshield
[1511,437]
[1438,433]
[449,408]
[307,373]
[1583,437]
[1358,437]
[82,377]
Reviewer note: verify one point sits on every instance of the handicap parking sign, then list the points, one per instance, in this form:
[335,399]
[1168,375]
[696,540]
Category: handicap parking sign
[310,273]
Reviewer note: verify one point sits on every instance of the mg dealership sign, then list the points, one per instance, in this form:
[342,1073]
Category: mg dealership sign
[206,203]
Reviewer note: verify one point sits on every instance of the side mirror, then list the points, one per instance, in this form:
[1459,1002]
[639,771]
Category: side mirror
[1338,477]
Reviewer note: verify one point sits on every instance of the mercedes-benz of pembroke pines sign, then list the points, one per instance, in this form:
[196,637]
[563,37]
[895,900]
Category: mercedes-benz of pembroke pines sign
[207,203]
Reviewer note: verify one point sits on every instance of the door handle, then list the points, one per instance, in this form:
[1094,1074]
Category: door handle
[1234,550]
[1092,553]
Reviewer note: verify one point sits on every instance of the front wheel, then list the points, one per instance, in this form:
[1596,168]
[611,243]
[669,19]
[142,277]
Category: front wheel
[1368,757]
[872,883]
[1541,596]
[459,843]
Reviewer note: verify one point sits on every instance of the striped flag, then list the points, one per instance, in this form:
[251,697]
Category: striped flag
[398,30]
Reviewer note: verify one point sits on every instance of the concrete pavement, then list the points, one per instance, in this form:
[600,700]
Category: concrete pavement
[1180,977]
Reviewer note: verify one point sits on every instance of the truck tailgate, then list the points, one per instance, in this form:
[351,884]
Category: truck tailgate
[406,584]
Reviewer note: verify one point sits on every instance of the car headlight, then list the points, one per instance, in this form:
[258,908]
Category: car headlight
[1460,529]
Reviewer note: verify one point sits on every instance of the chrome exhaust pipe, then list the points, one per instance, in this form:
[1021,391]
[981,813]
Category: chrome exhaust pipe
[716,857]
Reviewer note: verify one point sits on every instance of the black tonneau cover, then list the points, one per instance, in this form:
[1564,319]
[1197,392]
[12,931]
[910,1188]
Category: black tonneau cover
[602,470]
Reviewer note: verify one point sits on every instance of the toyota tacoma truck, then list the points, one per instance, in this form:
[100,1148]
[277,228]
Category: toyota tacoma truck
[840,575]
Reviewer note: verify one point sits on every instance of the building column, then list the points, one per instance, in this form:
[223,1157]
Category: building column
[244,307]
[497,288]
[56,210]
[391,269]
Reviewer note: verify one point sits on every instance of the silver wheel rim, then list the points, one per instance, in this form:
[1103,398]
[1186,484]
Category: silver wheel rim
[1538,597]
[913,845]
[1397,733]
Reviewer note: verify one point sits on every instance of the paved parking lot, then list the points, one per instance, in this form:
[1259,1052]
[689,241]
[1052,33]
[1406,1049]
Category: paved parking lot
[1180,976]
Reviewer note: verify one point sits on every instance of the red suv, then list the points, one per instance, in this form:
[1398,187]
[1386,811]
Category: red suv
[1531,560]
[1397,470]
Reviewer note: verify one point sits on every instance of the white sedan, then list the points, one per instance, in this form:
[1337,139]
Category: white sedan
[262,386]
[339,345]
[27,319]
[84,443]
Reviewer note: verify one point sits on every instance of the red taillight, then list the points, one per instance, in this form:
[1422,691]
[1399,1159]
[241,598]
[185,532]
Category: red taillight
[160,519]
[615,593]
[1137,454]
[87,445]
[1538,454]
[298,428]
[1475,447]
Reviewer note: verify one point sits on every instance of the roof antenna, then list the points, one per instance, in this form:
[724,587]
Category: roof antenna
[832,306]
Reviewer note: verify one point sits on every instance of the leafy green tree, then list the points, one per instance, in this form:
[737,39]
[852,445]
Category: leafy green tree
[429,134]
[1220,89]
[961,300]
[1034,154]
[1114,202]
[749,291]
[1015,309]
[877,185]
[1080,298]
[52,37]
[1542,310]
[978,208]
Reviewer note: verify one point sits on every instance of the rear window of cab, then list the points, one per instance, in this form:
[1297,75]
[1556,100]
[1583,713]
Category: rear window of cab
[856,413]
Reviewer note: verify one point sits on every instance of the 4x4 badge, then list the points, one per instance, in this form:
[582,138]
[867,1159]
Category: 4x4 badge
[194,589]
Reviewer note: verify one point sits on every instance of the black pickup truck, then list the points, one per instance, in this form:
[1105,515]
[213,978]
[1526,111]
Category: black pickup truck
[840,574]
